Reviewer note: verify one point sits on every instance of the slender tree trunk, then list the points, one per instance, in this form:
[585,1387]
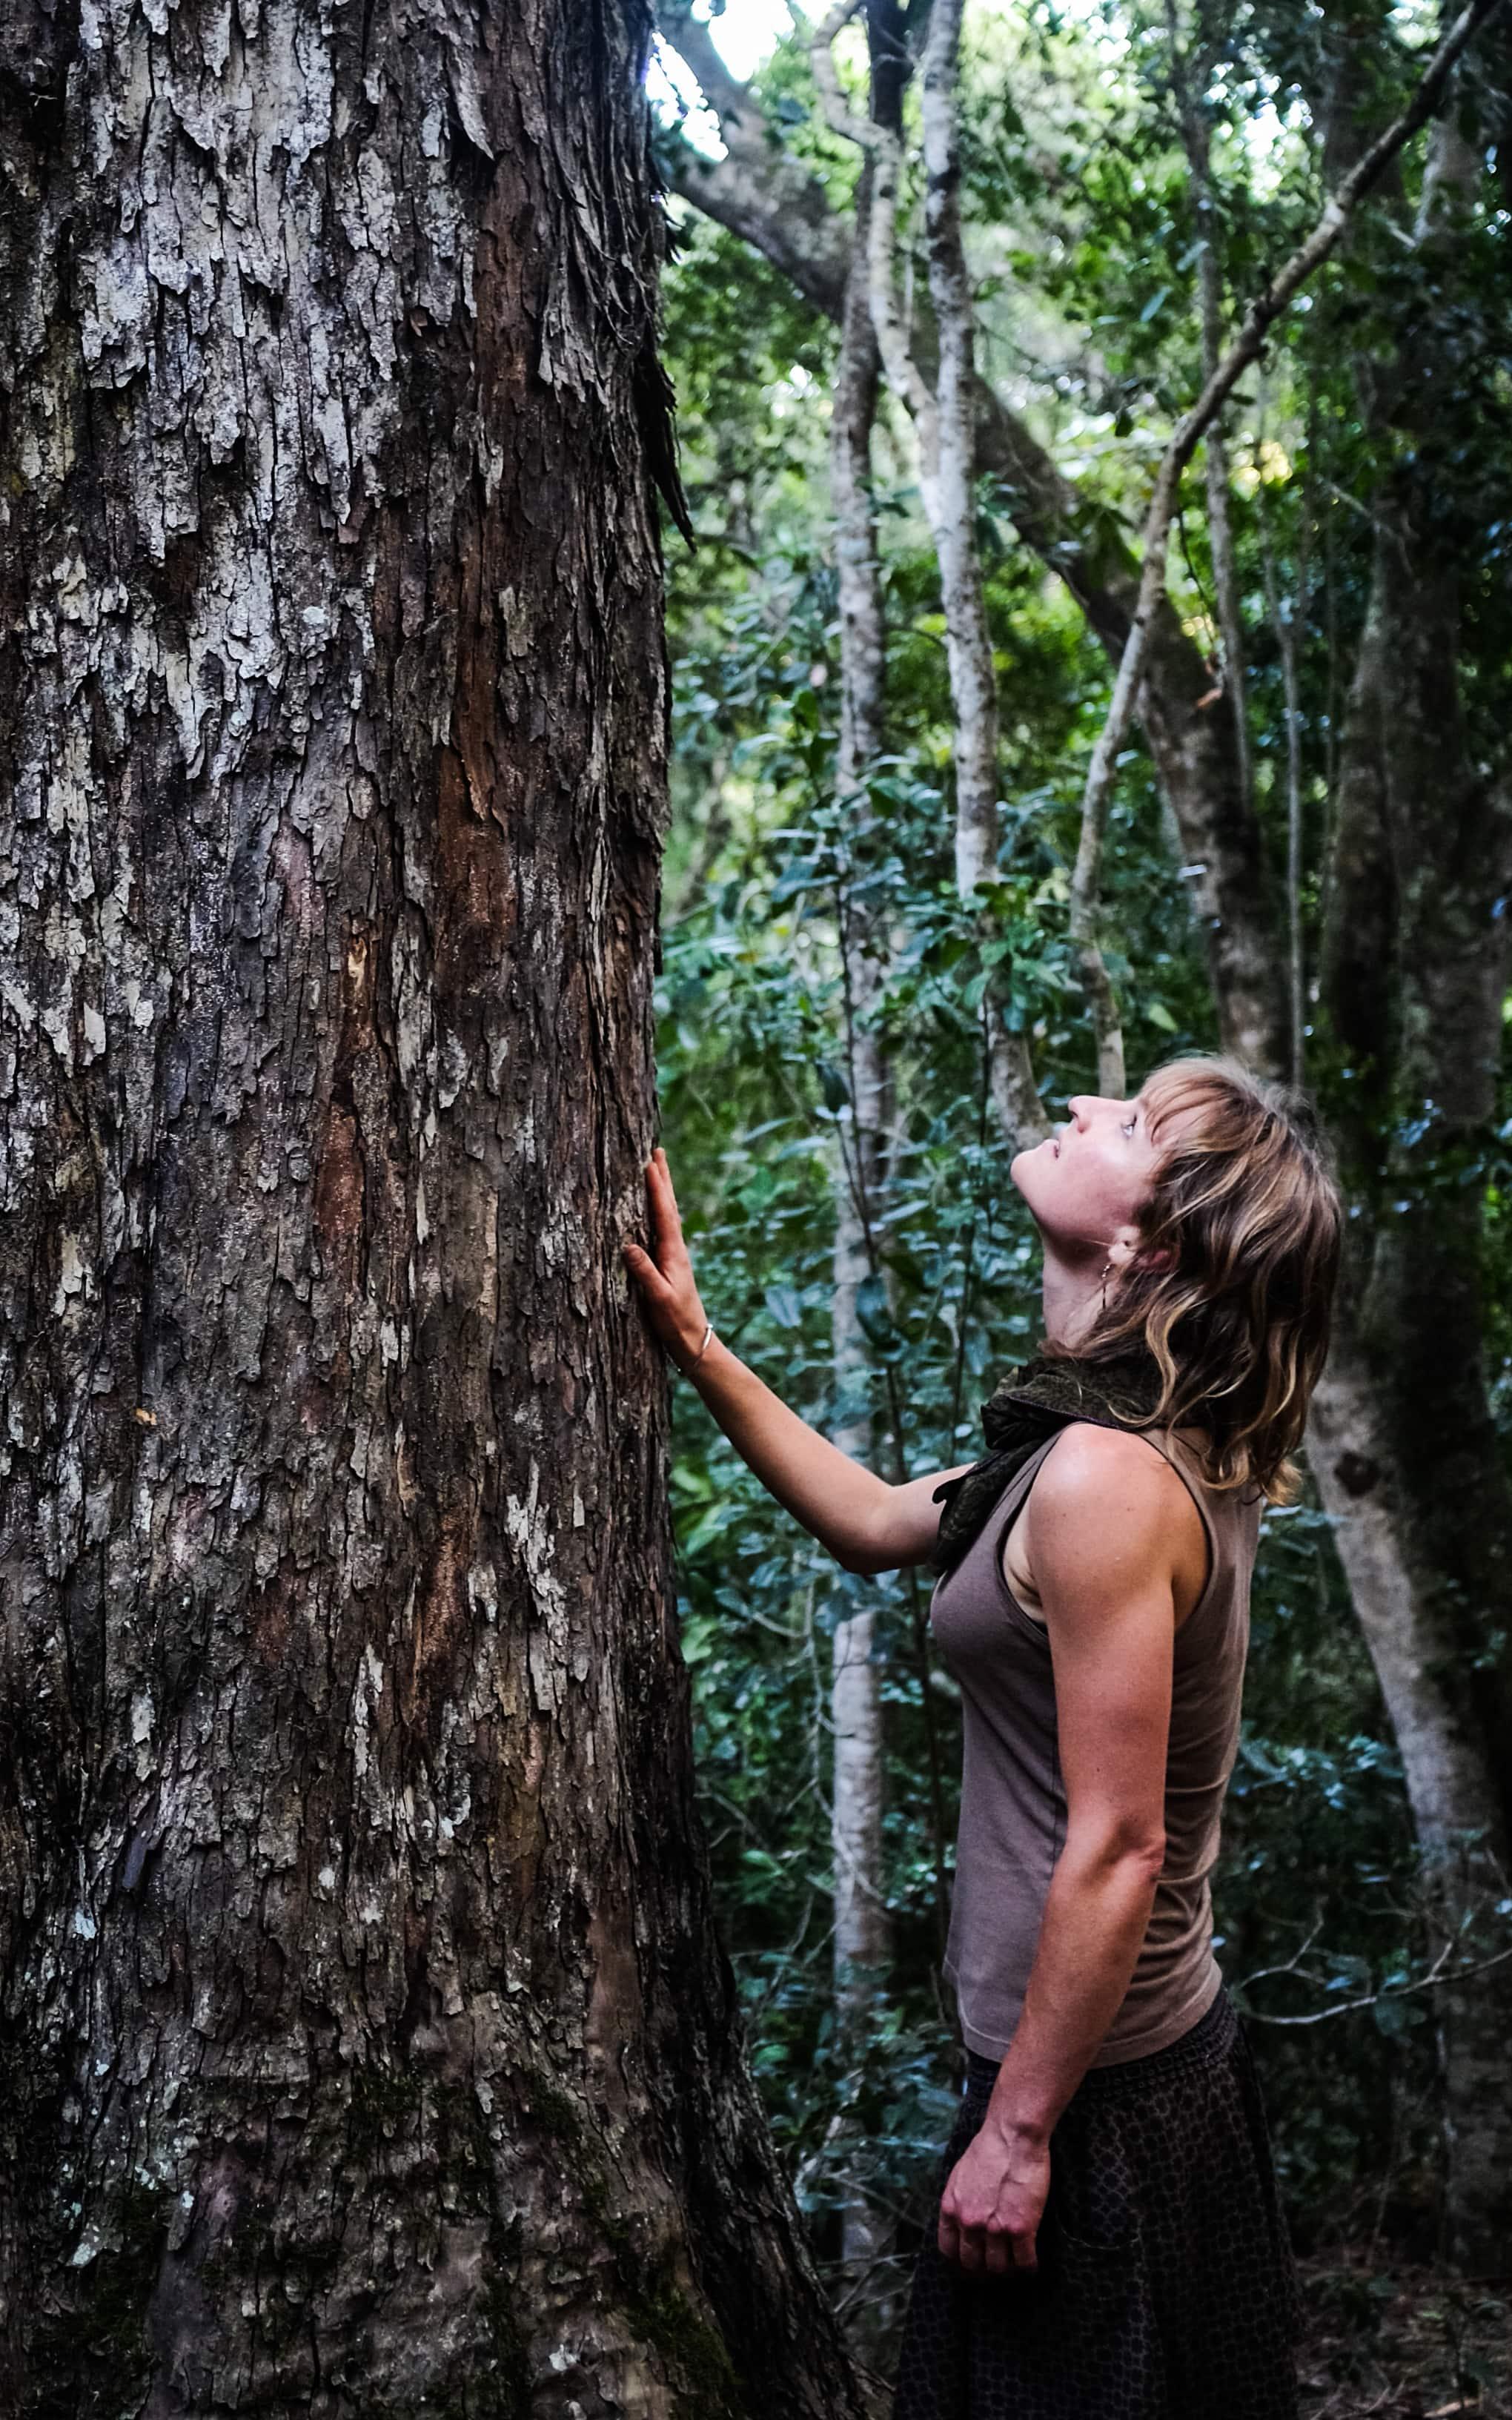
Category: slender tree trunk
[944,421]
[863,1929]
[1368,1481]
[1285,612]
[950,483]
[366,2048]
[863,1933]
[1190,74]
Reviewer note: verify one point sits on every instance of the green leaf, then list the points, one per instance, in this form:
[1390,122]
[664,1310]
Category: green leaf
[784,1305]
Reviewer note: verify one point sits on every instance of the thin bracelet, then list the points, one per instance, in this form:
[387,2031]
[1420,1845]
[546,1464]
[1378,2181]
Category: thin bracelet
[698,1357]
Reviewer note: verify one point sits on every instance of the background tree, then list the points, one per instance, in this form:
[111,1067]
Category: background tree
[365,2042]
[862,1946]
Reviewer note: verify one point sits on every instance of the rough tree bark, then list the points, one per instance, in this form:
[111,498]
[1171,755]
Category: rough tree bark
[366,2045]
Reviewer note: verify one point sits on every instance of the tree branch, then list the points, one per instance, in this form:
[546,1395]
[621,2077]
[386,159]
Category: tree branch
[1439,1972]
[838,110]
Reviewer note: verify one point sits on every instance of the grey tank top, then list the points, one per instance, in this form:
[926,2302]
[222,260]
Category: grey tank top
[1012,1801]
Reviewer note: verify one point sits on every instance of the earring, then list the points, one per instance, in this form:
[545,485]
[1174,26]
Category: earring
[1108,1272]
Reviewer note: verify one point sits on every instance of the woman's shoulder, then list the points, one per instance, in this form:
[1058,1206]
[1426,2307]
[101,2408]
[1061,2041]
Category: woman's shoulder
[1089,1463]
[1088,1450]
[1108,1509]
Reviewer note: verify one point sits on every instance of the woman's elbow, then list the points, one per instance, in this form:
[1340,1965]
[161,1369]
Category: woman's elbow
[863,1562]
[1126,1847]
[1147,1857]
[864,1550]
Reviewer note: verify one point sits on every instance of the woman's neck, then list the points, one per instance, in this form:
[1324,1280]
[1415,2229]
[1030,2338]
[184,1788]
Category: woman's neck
[1072,1292]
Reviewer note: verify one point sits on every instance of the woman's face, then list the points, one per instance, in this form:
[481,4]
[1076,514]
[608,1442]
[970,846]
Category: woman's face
[1086,1183]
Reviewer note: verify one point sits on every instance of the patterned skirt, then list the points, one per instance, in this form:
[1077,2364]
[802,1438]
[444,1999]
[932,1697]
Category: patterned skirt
[1165,2288]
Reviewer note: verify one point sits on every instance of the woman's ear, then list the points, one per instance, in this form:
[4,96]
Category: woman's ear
[1127,1251]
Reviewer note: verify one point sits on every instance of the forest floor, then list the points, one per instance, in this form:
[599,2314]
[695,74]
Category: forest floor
[1399,2343]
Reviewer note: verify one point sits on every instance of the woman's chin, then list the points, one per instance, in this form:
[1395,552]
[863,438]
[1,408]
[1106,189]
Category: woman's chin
[1024,1164]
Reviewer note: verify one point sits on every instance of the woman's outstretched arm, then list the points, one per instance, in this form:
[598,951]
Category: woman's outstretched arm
[867,1525]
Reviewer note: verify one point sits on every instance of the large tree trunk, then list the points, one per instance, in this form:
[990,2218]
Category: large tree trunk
[366,2045]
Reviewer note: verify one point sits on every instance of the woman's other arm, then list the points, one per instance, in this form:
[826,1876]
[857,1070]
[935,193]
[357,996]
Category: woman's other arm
[867,1525]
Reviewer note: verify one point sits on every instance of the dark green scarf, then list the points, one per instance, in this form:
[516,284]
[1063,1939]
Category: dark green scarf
[1026,1408]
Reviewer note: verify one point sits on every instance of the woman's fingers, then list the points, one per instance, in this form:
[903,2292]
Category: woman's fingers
[671,1251]
[646,1270]
[663,1219]
[996,2250]
[668,1219]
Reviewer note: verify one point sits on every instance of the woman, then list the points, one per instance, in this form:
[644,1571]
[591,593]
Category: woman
[1108,2244]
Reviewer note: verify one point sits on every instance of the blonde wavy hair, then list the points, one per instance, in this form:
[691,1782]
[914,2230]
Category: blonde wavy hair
[1232,1286]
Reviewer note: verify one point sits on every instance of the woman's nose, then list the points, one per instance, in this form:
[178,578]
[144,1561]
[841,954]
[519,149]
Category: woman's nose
[1079,1104]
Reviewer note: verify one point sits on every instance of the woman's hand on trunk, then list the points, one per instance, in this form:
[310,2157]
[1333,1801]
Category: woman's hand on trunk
[666,1279]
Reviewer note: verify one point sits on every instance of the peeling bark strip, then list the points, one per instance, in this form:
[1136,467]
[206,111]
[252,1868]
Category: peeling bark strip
[366,2045]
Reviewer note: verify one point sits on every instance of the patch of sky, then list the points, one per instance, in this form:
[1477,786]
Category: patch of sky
[744,32]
